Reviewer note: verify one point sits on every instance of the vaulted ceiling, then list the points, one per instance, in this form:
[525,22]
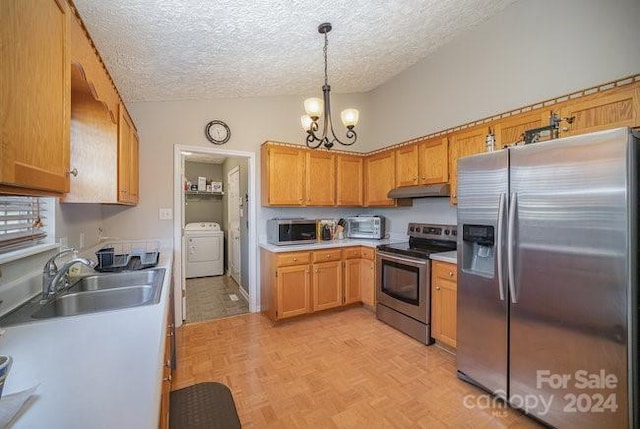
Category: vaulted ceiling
[204,49]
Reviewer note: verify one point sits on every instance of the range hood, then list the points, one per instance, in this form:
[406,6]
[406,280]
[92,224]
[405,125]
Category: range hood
[441,190]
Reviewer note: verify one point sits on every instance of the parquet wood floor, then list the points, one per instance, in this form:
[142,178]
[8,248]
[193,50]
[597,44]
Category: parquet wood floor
[342,369]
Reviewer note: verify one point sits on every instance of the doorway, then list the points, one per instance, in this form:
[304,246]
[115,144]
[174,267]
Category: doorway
[243,202]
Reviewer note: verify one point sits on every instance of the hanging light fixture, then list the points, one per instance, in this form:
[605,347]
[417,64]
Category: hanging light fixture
[316,107]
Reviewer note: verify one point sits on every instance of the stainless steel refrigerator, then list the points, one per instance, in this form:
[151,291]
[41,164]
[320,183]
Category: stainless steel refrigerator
[547,278]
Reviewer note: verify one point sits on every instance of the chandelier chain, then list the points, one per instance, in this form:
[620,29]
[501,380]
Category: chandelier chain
[326,42]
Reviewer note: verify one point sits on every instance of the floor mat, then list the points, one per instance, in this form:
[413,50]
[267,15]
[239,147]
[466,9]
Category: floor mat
[203,406]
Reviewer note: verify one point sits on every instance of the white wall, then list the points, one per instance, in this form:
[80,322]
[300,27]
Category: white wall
[531,51]
[161,125]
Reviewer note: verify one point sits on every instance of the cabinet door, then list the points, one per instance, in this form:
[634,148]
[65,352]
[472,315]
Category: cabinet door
[282,176]
[444,303]
[464,143]
[352,280]
[367,282]
[35,94]
[293,286]
[320,179]
[134,177]
[407,166]
[124,157]
[379,178]
[616,109]
[509,131]
[434,161]
[350,182]
[327,285]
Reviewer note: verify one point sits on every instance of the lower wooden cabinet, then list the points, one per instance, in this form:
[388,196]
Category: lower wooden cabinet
[297,283]
[444,292]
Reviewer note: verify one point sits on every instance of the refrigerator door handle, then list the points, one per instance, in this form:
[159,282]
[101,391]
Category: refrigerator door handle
[499,245]
[510,242]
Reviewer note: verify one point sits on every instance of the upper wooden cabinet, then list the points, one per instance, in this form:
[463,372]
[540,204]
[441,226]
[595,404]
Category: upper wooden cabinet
[350,180]
[433,161]
[616,108]
[510,130]
[464,143]
[407,166]
[283,176]
[380,178]
[35,94]
[320,175]
[127,159]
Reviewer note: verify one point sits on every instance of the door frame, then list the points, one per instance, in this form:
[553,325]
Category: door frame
[234,170]
[179,280]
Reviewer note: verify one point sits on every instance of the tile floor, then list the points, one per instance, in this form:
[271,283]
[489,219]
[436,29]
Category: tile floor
[209,298]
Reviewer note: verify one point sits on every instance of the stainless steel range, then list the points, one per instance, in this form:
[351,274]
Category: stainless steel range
[403,281]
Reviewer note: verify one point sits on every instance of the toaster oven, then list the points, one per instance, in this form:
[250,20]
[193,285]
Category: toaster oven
[365,227]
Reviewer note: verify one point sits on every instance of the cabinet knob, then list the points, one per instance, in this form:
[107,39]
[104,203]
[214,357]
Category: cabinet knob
[450,274]
[295,259]
[328,255]
[168,378]
[74,172]
[423,178]
[565,129]
[415,178]
[168,363]
[317,270]
[437,287]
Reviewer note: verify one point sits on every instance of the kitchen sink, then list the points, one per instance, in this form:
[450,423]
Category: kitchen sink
[98,300]
[94,293]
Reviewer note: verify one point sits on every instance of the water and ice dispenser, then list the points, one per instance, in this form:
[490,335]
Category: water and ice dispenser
[479,250]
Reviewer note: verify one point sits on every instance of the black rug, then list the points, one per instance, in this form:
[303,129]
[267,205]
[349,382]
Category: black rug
[203,406]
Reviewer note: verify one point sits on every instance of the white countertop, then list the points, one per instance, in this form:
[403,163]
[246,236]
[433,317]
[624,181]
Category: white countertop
[450,257]
[101,370]
[347,242]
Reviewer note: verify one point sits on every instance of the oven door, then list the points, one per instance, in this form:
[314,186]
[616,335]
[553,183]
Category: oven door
[402,284]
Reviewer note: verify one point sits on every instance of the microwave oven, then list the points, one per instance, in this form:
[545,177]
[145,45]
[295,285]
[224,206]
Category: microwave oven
[365,227]
[291,231]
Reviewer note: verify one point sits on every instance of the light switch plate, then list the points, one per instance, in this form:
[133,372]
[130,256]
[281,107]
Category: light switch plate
[165,214]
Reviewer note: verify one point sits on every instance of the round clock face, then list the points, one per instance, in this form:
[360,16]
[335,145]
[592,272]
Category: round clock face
[217,132]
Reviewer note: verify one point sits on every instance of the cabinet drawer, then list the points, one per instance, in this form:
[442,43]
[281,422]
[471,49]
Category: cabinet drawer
[368,253]
[294,258]
[327,255]
[351,253]
[445,270]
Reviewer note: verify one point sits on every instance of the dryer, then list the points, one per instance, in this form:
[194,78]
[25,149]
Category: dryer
[205,249]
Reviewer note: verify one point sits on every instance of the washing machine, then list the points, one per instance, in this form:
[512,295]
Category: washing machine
[205,249]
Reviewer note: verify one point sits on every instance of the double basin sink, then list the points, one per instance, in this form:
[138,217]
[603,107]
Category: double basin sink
[94,293]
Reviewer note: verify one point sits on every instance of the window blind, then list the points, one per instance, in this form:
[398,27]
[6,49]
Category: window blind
[22,221]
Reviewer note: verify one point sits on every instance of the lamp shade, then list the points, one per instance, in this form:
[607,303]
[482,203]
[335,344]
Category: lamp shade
[313,106]
[350,117]
[306,120]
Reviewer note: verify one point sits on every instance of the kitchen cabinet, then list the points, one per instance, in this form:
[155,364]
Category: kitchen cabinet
[127,159]
[433,161]
[350,180]
[327,285]
[285,284]
[35,93]
[444,294]
[320,175]
[368,277]
[167,370]
[407,161]
[352,262]
[423,163]
[380,178]
[297,176]
[615,108]
[464,143]
[509,131]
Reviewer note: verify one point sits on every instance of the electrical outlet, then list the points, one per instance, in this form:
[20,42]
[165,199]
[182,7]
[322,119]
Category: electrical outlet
[81,244]
[165,214]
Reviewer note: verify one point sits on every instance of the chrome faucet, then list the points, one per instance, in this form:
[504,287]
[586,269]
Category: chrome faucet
[52,276]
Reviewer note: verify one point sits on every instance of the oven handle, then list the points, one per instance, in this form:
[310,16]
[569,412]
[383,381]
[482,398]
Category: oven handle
[393,257]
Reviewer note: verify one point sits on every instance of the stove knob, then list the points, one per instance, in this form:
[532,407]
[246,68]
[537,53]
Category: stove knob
[446,232]
[454,232]
[411,228]
[425,230]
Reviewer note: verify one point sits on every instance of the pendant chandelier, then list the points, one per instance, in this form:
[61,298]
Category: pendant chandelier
[316,108]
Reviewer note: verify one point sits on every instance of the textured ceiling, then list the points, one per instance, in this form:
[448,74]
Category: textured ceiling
[203,49]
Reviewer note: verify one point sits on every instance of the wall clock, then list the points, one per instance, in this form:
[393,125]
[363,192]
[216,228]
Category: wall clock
[217,132]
